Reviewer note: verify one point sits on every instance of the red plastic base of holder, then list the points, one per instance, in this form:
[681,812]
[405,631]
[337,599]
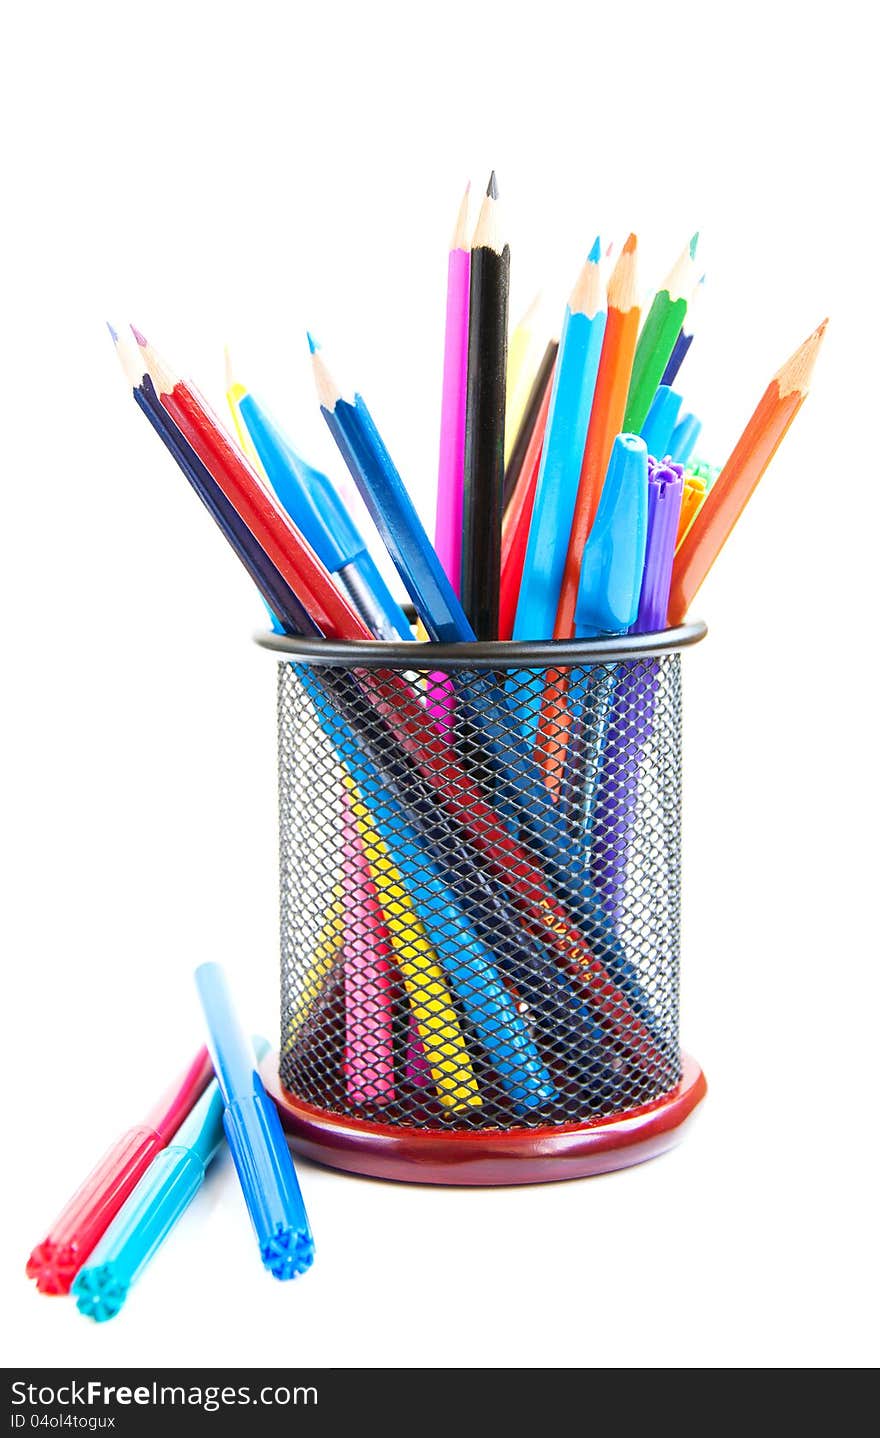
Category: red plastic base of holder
[525,1155]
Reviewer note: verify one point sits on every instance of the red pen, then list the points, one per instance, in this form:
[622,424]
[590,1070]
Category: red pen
[55,1262]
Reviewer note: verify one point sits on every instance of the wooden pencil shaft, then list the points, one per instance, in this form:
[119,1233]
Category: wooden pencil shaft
[484,440]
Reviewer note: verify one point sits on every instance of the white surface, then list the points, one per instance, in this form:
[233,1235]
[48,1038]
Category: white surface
[237,173]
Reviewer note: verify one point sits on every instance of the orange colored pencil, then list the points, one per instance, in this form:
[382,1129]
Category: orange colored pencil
[606,419]
[738,479]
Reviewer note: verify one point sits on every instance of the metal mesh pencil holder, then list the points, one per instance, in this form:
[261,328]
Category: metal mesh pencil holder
[480,863]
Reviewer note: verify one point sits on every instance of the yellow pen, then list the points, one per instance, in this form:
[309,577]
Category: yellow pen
[692,496]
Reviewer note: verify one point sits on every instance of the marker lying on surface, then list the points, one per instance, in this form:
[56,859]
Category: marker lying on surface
[72,1237]
[148,1216]
[255,1136]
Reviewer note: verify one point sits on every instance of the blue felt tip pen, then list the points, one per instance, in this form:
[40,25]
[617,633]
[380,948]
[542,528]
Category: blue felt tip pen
[255,1136]
[661,421]
[684,438]
[607,604]
[316,510]
[148,1216]
[614,555]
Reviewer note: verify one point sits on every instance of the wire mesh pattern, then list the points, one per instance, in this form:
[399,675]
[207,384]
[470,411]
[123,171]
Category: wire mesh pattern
[480,924]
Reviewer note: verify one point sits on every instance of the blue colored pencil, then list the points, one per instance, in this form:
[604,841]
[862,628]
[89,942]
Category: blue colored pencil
[391,509]
[577,366]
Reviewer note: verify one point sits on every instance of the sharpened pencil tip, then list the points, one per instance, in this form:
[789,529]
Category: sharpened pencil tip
[141,339]
[695,239]
[492,187]
[113,333]
[313,343]
[630,246]
[596,252]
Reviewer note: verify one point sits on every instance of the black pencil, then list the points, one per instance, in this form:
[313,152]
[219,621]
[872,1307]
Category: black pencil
[484,427]
[529,416]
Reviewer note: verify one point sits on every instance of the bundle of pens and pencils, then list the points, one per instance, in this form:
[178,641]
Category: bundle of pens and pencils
[480,882]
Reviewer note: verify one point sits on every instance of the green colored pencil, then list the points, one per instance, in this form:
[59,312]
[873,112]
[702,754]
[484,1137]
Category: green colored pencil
[657,340]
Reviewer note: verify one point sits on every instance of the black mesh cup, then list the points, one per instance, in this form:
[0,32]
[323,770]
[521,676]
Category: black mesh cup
[480,864]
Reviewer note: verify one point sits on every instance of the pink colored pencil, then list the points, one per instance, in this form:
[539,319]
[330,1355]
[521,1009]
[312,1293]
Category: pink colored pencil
[367,967]
[447,531]
[450,479]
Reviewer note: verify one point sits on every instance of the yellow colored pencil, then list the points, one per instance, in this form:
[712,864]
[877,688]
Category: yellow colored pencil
[524,356]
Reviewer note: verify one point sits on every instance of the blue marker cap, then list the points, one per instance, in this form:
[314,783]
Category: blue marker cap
[255,1136]
[286,477]
[614,555]
[146,1218]
[316,509]
[684,438]
[661,421]
[335,515]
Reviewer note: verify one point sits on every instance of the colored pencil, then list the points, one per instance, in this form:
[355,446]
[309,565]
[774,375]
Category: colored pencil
[523,359]
[518,517]
[391,508]
[484,429]
[279,598]
[541,387]
[658,336]
[450,480]
[606,421]
[294,559]
[685,339]
[315,508]
[410,733]
[738,479]
[574,383]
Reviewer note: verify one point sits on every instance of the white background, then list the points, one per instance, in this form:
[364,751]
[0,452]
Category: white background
[236,173]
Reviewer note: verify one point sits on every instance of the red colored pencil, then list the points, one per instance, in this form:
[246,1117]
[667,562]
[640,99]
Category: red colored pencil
[518,517]
[292,556]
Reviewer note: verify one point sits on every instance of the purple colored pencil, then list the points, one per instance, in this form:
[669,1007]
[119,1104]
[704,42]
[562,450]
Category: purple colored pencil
[450,480]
